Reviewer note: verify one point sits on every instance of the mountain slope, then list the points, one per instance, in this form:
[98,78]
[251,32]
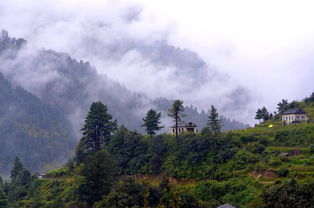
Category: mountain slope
[45,96]
[71,85]
[31,130]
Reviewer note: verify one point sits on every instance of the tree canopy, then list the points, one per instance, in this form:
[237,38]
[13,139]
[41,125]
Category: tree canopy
[283,106]
[214,122]
[262,114]
[176,112]
[98,127]
[151,122]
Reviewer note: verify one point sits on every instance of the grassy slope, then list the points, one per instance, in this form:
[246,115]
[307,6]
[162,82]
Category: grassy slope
[244,184]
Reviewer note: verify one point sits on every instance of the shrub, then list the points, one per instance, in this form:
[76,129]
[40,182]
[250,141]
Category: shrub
[283,172]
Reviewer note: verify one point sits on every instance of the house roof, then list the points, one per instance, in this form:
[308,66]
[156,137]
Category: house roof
[293,111]
[184,124]
[226,206]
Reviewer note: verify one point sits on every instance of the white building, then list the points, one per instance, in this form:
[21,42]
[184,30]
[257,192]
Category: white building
[184,127]
[294,116]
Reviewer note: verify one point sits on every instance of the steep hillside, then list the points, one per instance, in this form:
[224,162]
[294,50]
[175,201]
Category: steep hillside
[45,95]
[31,130]
[258,167]
[71,85]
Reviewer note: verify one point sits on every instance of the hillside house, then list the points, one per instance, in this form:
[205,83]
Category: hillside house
[184,126]
[294,116]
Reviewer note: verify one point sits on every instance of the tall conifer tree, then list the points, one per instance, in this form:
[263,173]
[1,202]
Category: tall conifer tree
[151,122]
[176,112]
[97,129]
[258,115]
[214,122]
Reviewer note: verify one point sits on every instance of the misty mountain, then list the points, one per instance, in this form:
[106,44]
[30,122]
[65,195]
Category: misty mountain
[65,87]
[31,130]
[71,85]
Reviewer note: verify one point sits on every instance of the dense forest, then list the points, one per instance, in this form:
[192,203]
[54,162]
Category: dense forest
[45,95]
[270,165]
[31,130]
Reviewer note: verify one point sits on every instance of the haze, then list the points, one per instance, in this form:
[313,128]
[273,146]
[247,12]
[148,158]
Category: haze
[254,52]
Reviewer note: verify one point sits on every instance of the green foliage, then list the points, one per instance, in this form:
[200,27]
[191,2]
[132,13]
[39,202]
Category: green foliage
[238,191]
[290,194]
[206,131]
[151,122]
[126,193]
[312,148]
[30,129]
[130,150]
[176,112]
[262,114]
[98,128]
[3,199]
[214,122]
[99,173]
[309,99]
[58,173]
[258,115]
[199,170]
[17,168]
[283,106]
[283,172]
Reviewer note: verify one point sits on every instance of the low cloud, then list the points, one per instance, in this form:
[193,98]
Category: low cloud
[143,49]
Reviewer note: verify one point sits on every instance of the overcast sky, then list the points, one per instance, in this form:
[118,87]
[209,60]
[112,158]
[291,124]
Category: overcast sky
[264,46]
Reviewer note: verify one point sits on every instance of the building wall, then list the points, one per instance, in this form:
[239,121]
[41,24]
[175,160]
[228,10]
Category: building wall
[288,119]
[182,129]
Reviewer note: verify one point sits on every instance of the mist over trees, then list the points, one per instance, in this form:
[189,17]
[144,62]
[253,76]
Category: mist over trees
[35,132]
[45,96]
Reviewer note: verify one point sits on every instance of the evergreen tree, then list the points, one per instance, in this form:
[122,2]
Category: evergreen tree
[151,122]
[214,122]
[3,199]
[283,106]
[21,180]
[258,115]
[264,114]
[17,168]
[176,112]
[309,99]
[99,172]
[97,129]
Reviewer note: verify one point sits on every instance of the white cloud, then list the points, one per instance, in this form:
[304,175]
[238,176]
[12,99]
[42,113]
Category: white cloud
[266,46]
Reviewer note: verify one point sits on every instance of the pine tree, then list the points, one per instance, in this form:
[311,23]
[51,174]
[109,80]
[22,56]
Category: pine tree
[151,122]
[97,129]
[264,114]
[17,168]
[176,112]
[214,122]
[258,115]
[283,106]
[21,180]
[3,199]
[99,172]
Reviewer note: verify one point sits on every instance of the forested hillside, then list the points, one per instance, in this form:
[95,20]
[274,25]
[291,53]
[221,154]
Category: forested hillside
[45,95]
[268,166]
[31,130]
[71,85]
